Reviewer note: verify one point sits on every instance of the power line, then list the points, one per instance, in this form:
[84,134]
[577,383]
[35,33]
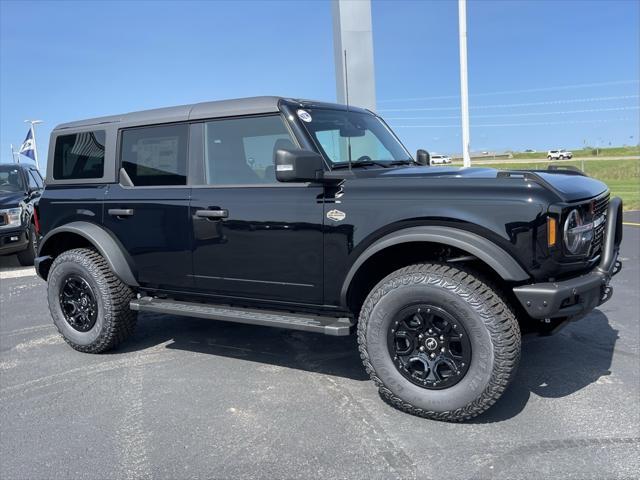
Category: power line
[530,124]
[526,114]
[509,105]
[528,90]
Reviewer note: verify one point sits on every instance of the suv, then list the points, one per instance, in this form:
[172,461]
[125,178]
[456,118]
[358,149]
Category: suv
[20,187]
[313,216]
[439,159]
[559,155]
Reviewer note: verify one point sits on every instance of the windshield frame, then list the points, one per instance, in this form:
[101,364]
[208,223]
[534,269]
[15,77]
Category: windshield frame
[330,163]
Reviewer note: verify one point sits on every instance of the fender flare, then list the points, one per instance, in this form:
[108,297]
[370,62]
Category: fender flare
[103,241]
[496,257]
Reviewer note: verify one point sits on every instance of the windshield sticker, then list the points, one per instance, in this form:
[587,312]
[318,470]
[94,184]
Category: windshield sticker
[336,215]
[304,116]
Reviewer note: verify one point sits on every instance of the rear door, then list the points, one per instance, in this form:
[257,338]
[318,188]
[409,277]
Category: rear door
[151,218]
[252,236]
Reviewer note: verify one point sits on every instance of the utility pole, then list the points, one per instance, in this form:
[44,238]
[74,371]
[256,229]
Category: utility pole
[33,135]
[352,33]
[464,81]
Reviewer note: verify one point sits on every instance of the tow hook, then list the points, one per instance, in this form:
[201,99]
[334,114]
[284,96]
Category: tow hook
[616,268]
[607,292]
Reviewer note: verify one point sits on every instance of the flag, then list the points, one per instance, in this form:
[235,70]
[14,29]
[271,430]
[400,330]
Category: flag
[28,147]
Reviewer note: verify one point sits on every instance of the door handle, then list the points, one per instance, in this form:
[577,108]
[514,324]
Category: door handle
[120,212]
[220,213]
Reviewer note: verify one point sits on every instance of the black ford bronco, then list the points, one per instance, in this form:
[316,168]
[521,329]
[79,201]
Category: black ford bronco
[20,189]
[313,216]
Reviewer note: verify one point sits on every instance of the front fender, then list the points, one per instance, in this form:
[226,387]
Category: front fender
[101,239]
[485,250]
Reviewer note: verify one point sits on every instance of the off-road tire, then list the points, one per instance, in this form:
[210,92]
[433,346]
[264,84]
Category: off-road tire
[28,255]
[115,320]
[494,333]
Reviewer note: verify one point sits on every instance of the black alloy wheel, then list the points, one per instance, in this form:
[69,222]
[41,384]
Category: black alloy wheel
[78,303]
[429,347]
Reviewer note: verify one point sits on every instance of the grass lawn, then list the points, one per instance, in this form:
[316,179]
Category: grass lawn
[622,176]
[585,152]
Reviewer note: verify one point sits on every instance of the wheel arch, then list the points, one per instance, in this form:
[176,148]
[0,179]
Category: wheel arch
[494,259]
[85,234]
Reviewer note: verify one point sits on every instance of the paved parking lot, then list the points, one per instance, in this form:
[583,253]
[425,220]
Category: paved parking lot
[191,398]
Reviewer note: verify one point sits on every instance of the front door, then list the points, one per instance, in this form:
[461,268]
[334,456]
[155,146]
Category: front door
[151,218]
[252,236]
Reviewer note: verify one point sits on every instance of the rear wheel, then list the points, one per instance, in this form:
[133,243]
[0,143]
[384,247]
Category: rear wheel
[438,342]
[88,303]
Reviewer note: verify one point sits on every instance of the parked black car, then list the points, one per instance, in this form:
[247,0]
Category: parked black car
[20,187]
[313,216]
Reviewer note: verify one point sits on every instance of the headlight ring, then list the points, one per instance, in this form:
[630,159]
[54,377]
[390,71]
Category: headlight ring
[577,234]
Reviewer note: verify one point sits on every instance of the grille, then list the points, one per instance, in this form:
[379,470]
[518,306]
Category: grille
[599,209]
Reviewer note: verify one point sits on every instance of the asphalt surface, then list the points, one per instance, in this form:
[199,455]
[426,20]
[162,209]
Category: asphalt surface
[191,398]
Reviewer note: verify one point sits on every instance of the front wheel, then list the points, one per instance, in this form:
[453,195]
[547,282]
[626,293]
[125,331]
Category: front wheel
[28,255]
[438,342]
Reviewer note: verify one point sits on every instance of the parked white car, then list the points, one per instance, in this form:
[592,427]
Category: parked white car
[437,159]
[559,154]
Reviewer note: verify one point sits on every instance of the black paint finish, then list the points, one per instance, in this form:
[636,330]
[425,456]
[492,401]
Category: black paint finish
[293,245]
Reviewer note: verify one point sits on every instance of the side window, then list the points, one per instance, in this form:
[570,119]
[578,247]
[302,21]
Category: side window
[241,151]
[35,182]
[156,155]
[79,156]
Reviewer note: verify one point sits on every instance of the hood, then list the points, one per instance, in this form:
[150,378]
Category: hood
[11,199]
[569,187]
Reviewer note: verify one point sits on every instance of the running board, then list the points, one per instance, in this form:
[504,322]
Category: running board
[269,318]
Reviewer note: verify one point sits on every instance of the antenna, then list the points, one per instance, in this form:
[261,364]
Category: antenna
[346,89]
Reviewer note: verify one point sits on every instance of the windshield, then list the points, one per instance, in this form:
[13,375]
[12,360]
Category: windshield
[344,136]
[10,179]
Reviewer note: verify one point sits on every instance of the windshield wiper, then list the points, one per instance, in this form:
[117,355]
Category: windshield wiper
[403,162]
[362,163]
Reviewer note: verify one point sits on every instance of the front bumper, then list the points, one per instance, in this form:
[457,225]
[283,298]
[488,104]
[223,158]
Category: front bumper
[13,241]
[578,296]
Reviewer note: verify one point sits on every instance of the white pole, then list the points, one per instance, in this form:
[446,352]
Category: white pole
[33,135]
[464,81]
[13,155]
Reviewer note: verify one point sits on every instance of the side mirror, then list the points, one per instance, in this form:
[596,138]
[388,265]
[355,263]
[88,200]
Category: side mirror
[298,166]
[423,158]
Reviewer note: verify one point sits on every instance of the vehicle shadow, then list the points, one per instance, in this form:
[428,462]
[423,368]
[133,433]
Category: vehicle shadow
[550,367]
[559,365]
[328,355]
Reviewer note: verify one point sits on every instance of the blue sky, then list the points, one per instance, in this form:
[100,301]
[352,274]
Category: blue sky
[542,74]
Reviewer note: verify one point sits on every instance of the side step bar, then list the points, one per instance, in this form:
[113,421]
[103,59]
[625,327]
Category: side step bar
[269,318]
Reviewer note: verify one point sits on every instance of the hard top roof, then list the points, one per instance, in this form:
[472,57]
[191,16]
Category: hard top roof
[220,108]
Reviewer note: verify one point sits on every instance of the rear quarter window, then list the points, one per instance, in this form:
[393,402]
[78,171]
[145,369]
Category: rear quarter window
[157,155]
[79,156]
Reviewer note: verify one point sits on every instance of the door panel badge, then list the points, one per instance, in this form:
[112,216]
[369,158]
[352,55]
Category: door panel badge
[336,215]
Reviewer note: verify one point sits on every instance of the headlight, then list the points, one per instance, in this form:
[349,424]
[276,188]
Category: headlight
[12,217]
[577,234]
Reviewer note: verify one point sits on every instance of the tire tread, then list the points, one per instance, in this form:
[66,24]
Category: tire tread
[120,321]
[496,315]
